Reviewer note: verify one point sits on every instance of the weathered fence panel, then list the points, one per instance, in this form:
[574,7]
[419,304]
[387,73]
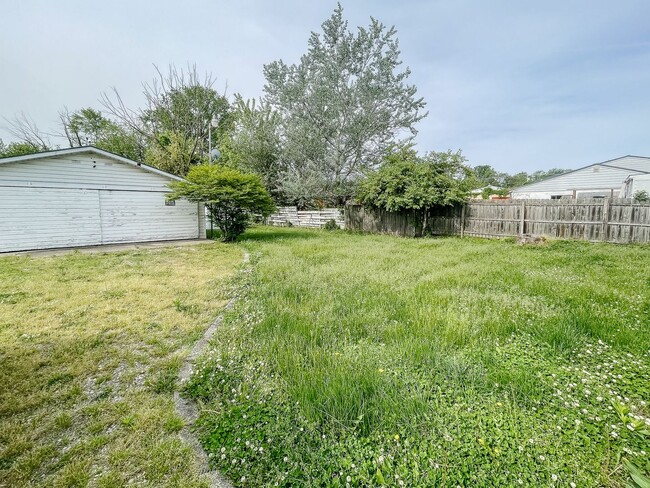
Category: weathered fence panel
[609,220]
[305,218]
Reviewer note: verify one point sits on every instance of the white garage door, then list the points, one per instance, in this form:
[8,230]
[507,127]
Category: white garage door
[39,218]
[42,218]
[133,216]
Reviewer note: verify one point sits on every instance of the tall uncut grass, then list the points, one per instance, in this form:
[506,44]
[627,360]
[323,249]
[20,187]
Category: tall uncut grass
[372,360]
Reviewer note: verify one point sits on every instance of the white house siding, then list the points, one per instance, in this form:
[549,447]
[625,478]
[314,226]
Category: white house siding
[77,171]
[133,216]
[38,218]
[87,199]
[637,183]
[605,179]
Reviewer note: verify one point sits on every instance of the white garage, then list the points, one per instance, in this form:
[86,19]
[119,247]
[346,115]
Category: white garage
[86,196]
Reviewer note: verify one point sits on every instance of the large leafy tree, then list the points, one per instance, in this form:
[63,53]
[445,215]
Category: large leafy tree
[406,181]
[231,197]
[341,108]
[486,175]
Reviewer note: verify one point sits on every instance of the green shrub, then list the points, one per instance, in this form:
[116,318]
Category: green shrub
[642,196]
[331,225]
[231,197]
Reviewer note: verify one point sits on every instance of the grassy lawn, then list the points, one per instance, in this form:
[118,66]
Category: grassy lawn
[90,346]
[377,361]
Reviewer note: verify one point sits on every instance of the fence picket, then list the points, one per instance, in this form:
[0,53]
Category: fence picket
[611,220]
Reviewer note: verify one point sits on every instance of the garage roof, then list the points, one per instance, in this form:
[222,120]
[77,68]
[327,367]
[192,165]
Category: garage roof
[87,150]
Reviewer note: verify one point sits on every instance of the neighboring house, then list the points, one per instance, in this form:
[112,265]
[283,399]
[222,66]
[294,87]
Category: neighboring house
[477,194]
[598,180]
[635,184]
[86,196]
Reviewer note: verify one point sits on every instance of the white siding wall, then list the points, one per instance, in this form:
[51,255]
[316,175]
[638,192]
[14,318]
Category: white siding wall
[80,171]
[82,200]
[635,184]
[133,216]
[586,193]
[588,181]
[39,218]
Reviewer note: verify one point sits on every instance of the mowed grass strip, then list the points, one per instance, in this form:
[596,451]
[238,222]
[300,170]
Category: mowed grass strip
[90,346]
[360,360]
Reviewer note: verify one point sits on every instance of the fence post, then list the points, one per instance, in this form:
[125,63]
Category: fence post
[522,218]
[605,219]
[462,221]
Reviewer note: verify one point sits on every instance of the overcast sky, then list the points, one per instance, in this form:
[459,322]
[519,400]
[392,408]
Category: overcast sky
[518,85]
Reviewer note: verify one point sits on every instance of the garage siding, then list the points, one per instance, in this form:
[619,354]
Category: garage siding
[38,218]
[81,172]
[131,216]
[87,199]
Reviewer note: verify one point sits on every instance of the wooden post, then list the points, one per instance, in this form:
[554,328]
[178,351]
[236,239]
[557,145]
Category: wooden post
[462,221]
[522,218]
[604,232]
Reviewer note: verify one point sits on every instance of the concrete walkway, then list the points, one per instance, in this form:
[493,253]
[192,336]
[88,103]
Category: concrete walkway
[110,248]
[189,411]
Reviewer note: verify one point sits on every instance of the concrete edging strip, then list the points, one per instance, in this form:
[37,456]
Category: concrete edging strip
[187,409]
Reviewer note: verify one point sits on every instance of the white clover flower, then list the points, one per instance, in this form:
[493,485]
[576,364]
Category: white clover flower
[554,477]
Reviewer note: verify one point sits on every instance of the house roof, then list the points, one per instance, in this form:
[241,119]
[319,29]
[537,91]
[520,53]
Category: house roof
[617,169]
[87,150]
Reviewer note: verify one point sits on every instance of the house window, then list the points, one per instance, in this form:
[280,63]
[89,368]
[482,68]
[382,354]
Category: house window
[556,197]
[170,203]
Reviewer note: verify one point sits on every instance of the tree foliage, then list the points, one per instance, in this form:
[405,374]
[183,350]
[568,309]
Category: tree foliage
[253,143]
[408,182]
[486,175]
[88,126]
[17,149]
[230,196]
[176,119]
[341,108]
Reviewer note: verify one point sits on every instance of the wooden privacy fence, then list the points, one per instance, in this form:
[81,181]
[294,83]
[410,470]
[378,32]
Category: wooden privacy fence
[606,220]
[305,218]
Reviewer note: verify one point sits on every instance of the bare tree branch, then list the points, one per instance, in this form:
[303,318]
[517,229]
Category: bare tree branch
[23,128]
